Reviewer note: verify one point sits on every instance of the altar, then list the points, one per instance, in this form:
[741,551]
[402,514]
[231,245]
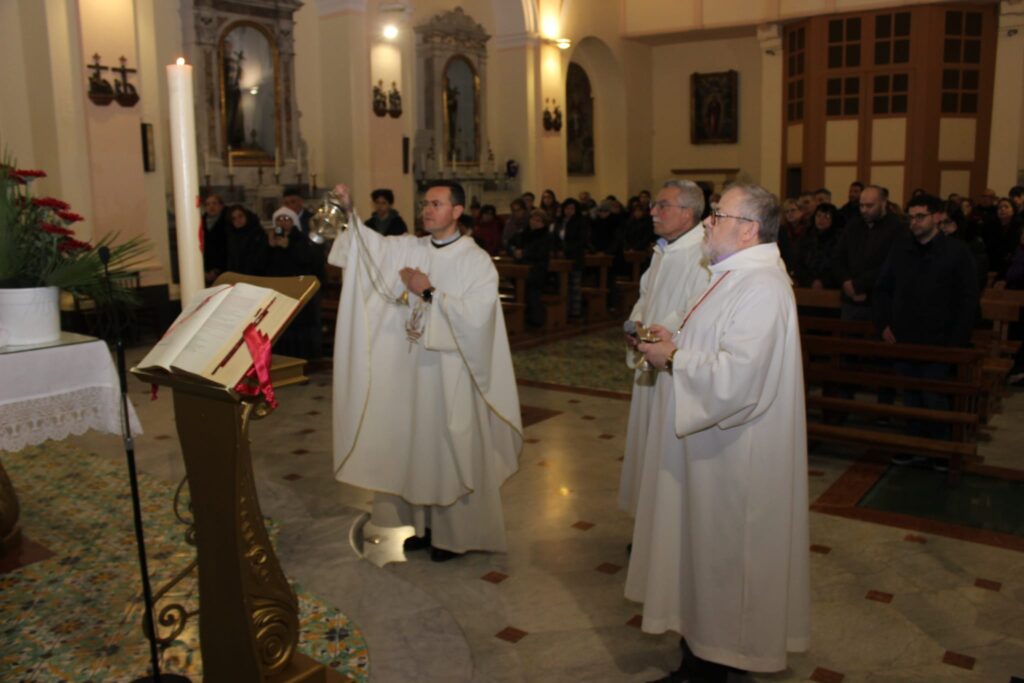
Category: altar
[52,391]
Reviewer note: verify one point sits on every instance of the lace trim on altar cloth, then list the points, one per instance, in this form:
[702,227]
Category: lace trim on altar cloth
[35,420]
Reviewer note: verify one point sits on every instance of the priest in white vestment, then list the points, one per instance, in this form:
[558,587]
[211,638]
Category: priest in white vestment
[426,411]
[721,541]
[677,275]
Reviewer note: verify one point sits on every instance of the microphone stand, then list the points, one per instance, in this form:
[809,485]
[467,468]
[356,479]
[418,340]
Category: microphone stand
[129,450]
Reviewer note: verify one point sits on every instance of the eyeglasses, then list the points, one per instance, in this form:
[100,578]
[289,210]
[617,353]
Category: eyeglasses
[716,216]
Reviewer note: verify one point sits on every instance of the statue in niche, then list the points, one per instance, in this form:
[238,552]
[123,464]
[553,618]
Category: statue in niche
[380,100]
[579,113]
[452,101]
[233,96]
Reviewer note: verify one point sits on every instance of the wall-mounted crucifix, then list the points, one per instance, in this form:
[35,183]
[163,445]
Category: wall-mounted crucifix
[126,95]
[100,90]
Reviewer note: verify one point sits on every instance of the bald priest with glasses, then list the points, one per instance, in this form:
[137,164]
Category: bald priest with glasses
[720,544]
[426,411]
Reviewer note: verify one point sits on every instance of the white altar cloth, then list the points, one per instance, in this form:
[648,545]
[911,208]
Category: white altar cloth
[52,392]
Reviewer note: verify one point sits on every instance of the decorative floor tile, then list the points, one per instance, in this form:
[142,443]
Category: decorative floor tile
[292,477]
[494,577]
[531,440]
[583,526]
[608,568]
[879,596]
[988,584]
[915,538]
[820,549]
[606,436]
[636,621]
[542,463]
[588,417]
[64,629]
[307,430]
[574,400]
[511,634]
[822,675]
[162,437]
[815,473]
[531,415]
[300,451]
[313,412]
[957,659]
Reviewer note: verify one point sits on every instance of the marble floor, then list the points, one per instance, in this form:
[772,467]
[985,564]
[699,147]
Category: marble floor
[889,603]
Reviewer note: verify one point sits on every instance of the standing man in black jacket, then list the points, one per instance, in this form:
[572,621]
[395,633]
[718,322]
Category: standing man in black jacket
[862,250]
[927,293]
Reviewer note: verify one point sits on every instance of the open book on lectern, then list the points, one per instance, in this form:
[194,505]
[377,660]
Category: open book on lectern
[206,342]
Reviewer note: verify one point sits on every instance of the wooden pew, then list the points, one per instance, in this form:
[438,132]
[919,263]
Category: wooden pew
[558,303]
[512,290]
[831,360]
[595,299]
[629,287]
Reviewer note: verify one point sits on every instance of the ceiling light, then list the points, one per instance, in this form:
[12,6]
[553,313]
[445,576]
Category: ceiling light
[390,32]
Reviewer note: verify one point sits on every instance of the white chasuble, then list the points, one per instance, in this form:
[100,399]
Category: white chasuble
[721,541]
[434,421]
[676,277]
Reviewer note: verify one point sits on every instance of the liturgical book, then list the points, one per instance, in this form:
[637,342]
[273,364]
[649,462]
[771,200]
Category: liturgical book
[206,341]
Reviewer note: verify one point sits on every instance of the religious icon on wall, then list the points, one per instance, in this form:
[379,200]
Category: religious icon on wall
[579,116]
[714,112]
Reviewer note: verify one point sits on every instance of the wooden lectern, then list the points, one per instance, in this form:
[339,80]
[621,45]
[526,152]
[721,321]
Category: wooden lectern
[248,614]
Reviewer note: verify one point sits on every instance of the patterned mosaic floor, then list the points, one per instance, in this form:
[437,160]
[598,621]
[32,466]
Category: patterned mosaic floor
[593,361]
[76,616]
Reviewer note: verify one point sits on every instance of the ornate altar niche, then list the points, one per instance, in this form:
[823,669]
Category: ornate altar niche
[451,73]
[246,121]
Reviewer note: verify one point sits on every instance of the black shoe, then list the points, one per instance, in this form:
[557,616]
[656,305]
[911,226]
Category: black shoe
[442,555]
[417,542]
[693,669]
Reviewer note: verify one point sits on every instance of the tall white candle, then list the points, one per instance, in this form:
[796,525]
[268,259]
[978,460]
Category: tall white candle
[186,180]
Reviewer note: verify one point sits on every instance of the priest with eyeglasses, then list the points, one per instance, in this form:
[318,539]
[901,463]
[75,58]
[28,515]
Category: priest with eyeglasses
[721,542]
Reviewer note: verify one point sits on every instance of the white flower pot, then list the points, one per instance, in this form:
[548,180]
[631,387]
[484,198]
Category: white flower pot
[30,315]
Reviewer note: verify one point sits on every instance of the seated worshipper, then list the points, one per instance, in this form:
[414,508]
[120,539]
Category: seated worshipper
[604,229]
[814,267]
[549,205]
[638,229]
[487,231]
[678,274]
[528,199]
[385,220]
[721,535]
[927,293]
[571,237]
[292,253]
[214,232]
[533,247]
[292,198]
[246,243]
[516,222]
[426,411]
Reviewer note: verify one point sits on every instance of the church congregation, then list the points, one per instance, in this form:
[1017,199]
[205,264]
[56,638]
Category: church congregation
[583,340]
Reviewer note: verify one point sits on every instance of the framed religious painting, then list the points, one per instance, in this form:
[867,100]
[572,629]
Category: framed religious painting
[714,108]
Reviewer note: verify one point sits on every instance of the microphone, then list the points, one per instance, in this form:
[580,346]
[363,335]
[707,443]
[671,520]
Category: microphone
[104,254]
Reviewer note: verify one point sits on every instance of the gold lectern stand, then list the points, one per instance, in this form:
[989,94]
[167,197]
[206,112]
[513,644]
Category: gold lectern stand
[248,614]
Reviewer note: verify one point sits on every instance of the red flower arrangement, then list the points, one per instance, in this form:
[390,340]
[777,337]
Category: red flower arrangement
[39,249]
